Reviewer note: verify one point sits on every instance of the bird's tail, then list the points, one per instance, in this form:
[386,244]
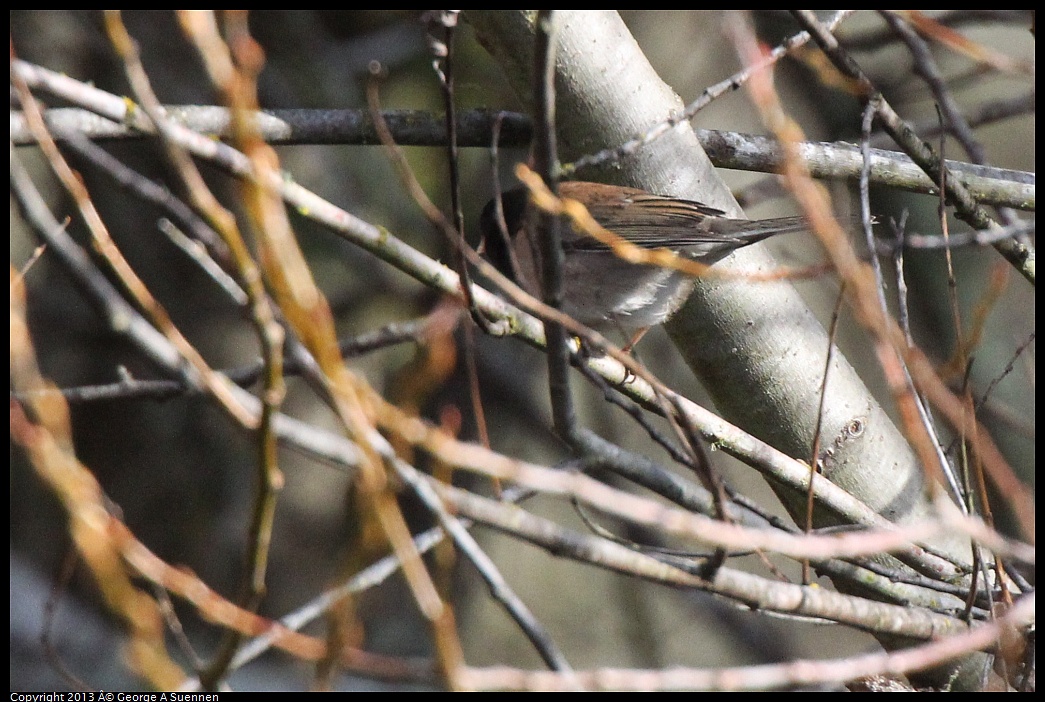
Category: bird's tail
[750,231]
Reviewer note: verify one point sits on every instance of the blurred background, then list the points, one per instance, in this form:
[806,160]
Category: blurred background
[183,475]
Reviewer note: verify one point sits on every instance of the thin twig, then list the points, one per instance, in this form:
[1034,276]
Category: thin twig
[736,150]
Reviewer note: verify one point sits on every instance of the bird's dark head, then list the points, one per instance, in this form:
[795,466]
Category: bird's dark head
[497,239]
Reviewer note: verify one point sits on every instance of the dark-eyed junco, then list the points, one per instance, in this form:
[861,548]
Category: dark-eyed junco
[600,289]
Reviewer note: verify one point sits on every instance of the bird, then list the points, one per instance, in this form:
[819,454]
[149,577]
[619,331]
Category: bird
[600,289]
